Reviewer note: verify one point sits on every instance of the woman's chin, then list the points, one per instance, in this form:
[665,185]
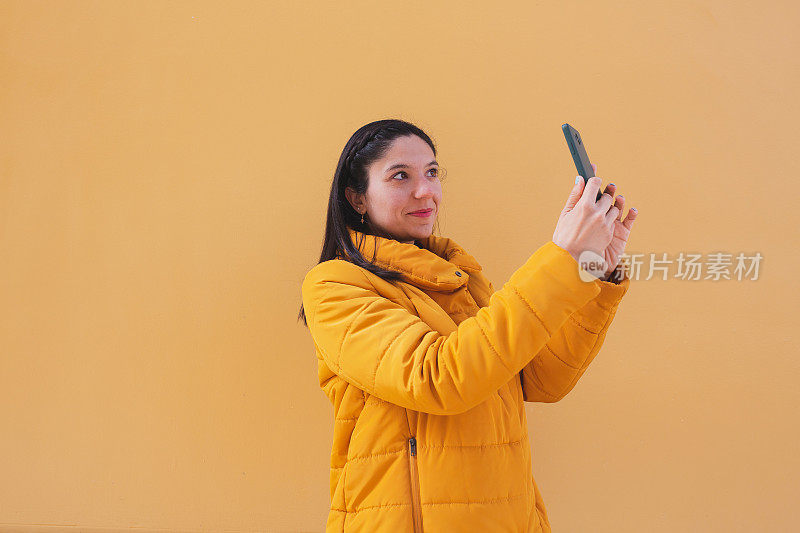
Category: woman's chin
[421,232]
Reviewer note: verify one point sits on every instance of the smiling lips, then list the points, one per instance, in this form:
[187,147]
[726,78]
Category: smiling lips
[423,213]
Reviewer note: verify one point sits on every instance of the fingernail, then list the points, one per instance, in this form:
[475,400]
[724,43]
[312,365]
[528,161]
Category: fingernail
[611,184]
[577,180]
[633,208]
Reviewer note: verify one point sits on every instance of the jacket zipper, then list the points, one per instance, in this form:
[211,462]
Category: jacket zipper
[416,507]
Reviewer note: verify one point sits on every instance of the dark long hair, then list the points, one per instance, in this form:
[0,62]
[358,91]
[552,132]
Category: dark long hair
[368,144]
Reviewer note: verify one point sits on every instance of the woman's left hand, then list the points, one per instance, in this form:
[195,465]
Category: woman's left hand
[622,230]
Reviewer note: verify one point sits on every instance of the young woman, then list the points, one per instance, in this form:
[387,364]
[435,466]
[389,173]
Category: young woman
[427,366]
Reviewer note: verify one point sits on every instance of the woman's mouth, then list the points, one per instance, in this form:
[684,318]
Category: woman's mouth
[425,213]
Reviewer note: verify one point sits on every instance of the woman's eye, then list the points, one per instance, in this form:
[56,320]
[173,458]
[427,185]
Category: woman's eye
[435,172]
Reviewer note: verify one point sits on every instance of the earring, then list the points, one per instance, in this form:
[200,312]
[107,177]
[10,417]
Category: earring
[362,217]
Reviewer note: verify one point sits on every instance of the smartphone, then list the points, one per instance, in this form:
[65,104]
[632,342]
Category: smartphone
[578,151]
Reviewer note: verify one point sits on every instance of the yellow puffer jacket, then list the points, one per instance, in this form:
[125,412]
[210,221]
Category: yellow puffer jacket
[428,377]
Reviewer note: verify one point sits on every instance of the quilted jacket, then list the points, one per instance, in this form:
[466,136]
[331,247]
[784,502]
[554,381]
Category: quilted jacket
[428,379]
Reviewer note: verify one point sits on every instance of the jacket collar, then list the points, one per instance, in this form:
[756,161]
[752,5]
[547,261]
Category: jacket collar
[431,265]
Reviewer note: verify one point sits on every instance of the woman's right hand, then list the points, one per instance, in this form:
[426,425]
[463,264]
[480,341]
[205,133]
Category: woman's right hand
[586,225]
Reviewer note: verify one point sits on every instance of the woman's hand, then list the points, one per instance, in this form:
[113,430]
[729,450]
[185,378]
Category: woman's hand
[587,224]
[622,230]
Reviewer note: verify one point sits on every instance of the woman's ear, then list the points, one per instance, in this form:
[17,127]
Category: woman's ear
[356,200]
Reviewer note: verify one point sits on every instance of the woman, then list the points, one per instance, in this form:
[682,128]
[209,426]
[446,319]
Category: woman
[427,366]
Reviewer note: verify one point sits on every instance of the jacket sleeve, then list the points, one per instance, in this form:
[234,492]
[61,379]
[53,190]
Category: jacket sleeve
[558,366]
[387,351]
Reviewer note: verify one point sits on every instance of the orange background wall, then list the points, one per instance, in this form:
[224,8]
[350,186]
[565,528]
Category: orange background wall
[164,172]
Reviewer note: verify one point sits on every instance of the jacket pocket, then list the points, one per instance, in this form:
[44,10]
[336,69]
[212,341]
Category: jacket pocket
[416,506]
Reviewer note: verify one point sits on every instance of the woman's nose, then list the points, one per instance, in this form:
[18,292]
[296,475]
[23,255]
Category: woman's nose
[424,188]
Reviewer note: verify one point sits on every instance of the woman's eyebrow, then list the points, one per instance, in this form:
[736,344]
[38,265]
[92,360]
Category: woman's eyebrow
[403,165]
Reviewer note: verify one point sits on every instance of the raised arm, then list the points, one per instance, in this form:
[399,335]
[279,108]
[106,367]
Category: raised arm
[559,365]
[384,349]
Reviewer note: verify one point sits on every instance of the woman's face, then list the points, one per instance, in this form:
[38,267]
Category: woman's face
[406,179]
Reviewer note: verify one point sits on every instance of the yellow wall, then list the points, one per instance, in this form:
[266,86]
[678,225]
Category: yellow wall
[164,171]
